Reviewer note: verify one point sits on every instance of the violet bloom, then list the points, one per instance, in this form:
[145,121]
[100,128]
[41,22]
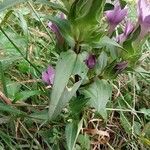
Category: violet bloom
[54,28]
[144,17]
[128,30]
[91,61]
[48,75]
[115,16]
[121,66]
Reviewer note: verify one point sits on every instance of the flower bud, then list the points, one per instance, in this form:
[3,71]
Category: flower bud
[48,75]
[91,61]
[54,28]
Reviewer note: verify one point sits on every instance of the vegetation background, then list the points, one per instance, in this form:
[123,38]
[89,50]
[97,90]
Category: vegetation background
[27,47]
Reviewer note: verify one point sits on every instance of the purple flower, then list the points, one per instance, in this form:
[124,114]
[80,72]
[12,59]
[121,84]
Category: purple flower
[115,16]
[119,67]
[56,30]
[91,61]
[48,75]
[128,30]
[144,17]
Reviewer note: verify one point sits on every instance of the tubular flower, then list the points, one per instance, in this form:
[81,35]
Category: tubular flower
[91,61]
[128,29]
[144,17]
[48,75]
[54,28]
[115,16]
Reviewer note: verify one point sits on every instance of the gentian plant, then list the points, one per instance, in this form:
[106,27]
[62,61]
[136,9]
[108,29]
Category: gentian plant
[94,55]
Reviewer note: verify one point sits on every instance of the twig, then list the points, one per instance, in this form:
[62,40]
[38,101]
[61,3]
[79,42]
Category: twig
[4,98]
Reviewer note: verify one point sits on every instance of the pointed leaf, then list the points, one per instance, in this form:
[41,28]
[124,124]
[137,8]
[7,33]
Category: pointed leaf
[72,132]
[101,62]
[79,68]
[125,123]
[11,110]
[99,93]
[24,95]
[64,70]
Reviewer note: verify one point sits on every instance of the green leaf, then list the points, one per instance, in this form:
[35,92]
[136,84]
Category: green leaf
[86,12]
[106,42]
[72,12]
[84,141]
[80,69]
[66,96]
[99,93]
[61,94]
[64,68]
[11,110]
[22,22]
[110,45]
[101,62]
[92,14]
[125,123]
[146,131]
[24,95]
[42,115]
[72,131]
[146,113]
[128,46]
[137,128]
[9,3]
[76,108]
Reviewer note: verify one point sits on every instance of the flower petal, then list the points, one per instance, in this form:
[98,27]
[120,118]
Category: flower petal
[144,17]
[116,15]
[45,77]
[48,75]
[51,74]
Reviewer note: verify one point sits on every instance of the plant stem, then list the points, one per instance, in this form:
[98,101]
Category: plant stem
[3,79]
